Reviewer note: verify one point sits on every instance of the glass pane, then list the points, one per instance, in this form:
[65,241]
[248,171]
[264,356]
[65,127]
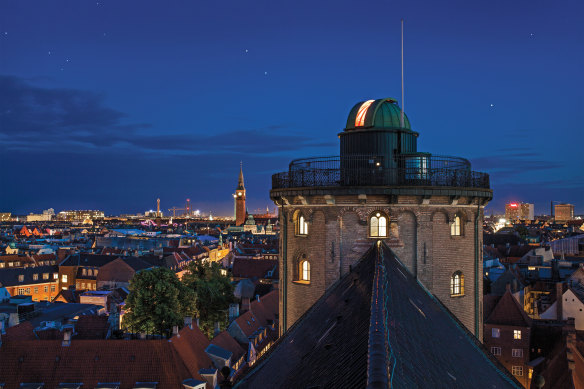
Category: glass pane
[374,226]
[382,226]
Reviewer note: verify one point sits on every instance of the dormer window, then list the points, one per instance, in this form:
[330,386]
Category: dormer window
[456,226]
[378,226]
[302,228]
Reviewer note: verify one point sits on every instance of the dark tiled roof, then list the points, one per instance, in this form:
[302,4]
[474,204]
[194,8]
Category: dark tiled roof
[91,260]
[254,268]
[9,276]
[218,351]
[329,345]
[227,342]
[91,327]
[508,312]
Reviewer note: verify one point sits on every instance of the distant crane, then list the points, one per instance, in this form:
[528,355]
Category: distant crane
[186,209]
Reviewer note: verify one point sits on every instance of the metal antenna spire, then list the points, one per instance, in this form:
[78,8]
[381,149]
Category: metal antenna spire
[401,119]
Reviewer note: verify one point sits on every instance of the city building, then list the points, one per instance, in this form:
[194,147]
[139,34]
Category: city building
[41,282]
[240,210]
[563,212]
[519,211]
[428,209]
[80,215]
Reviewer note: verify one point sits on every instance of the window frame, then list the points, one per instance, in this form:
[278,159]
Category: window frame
[457,284]
[516,334]
[304,271]
[495,331]
[378,217]
[496,350]
[301,225]
[456,225]
[517,371]
[517,353]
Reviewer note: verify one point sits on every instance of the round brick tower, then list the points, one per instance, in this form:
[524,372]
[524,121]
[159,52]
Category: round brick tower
[427,208]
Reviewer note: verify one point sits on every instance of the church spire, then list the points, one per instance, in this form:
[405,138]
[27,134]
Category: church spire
[240,183]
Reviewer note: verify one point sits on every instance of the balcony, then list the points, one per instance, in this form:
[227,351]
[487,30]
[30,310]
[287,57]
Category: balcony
[418,170]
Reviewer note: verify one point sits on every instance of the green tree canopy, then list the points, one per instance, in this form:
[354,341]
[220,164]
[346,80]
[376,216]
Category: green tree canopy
[157,301]
[213,293]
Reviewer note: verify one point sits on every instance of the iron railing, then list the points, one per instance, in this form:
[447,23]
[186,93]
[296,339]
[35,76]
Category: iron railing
[413,170]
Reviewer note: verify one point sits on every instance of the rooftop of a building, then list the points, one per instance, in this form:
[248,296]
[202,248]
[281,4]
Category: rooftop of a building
[376,327]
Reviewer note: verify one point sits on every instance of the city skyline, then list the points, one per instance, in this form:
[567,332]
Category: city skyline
[99,111]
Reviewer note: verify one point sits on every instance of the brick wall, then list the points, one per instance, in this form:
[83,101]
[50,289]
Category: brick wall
[419,235]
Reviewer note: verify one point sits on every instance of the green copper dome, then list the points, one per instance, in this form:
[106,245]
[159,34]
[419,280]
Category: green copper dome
[381,113]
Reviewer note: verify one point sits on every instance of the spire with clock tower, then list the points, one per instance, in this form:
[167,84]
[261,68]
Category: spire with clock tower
[240,211]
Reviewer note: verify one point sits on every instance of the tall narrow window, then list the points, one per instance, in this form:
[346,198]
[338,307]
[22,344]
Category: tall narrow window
[455,226]
[305,271]
[457,284]
[378,226]
[302,226]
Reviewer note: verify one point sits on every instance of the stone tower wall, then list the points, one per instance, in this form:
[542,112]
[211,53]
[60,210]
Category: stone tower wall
[419,234]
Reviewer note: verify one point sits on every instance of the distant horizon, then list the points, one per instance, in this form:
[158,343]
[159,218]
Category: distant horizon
[111,105]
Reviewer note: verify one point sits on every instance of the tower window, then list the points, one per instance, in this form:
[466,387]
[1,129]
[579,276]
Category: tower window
[378,226]
[305,271]
[457,284]
[302,225]
[456,226]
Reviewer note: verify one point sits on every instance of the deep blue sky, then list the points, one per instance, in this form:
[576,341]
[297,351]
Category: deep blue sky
[111,104]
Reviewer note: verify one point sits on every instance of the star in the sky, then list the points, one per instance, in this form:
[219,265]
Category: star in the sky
[492,105]
[265,73]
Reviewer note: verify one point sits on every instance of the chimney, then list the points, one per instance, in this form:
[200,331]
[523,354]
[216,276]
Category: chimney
[559,301]
[245,304]
[175,331]
[67,333]
[217,329]
[198,324]
[189,322]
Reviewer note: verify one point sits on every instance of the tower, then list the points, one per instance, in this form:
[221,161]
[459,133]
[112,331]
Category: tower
[240,209]
[428,209]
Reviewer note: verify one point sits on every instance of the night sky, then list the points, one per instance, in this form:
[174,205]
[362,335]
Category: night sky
[111,104]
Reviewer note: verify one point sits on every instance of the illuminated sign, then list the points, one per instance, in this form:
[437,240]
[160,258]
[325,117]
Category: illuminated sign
[514,205]
[360,118]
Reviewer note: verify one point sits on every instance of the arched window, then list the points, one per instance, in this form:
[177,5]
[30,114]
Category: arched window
[456,226]
[378,226]
[305,271]
[302,228]
[457,284]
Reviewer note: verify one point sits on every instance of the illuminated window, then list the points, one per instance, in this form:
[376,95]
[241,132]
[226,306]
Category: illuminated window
[64,278]
[457,284]
[378,226]
[35,277]
[360,118]
[84,272]
[516,334]
[517,370]
[95,272]
[302,225]
[55,276]
[27,290]
[45,276]
[36,290]
[305,271]
[495,333]
[21,278]
[496,350]
[455,226]
[21,291]
[52,288]
[517,352]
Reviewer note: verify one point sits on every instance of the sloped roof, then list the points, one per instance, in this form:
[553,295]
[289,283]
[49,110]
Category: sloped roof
[91,327]
[267,308]
[92,361]
[228,342]
[508,312]
[254,268]
[94,260]
[330,344]
[191,345]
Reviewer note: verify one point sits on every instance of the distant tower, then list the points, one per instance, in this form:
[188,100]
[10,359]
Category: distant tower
[240,199]
[157,207]
[188,208]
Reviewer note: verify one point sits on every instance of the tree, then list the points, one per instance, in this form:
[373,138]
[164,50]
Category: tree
[213,294]
[157,301]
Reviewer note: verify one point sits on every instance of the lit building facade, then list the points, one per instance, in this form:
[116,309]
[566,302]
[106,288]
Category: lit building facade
[428,209]
[240,211]
[563,212]
[519,211]
[80,215]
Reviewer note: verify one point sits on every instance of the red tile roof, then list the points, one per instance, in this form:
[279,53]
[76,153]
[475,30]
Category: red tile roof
[228,342]
[92,361]
[91,327]
[190,346]
[22,331]
[248,323]
[254,268]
